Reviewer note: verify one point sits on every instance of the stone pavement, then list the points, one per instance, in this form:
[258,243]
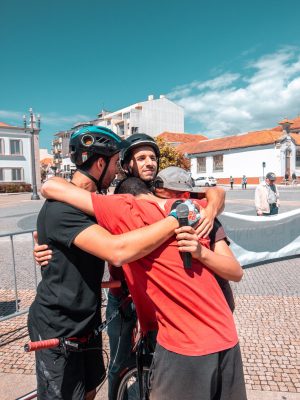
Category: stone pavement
[268,320]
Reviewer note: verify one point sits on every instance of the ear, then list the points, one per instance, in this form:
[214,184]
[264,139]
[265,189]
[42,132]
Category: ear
[126,168]
[100,164]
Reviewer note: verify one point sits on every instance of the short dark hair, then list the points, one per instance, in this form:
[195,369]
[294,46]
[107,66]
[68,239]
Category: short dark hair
[87,165]
[132,185]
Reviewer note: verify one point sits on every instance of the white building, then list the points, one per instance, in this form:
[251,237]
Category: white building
[151,117]
[15,154]
[252,154]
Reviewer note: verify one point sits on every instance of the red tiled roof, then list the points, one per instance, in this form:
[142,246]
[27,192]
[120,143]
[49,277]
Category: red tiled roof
[232,142]
[172,137]
[296,137]
[295,124]
[46,161]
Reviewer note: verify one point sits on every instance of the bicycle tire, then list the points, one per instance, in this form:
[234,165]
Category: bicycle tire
[126,386]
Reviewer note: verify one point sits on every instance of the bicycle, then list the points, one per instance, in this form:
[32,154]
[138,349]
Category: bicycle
[132,381]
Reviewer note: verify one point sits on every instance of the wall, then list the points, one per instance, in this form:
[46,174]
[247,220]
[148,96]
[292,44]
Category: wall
[161,115]
[239,162]
[20,161]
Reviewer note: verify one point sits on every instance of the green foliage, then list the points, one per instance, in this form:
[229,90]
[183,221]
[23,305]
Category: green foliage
[15,187]
[170,157]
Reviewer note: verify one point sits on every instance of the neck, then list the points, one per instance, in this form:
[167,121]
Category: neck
[150,196]
[83,182]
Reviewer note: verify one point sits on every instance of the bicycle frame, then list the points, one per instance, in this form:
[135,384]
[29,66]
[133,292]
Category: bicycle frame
[139,345]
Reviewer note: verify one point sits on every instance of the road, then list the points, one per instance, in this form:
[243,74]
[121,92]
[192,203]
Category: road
[19,213]
[267,306]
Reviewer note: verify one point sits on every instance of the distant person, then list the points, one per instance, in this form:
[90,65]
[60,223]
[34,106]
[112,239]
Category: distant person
[267,196]
[244,182]
[294,178]
[286,178]
[231,180]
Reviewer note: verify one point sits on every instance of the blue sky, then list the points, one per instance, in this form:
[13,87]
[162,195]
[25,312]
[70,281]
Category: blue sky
[233,65]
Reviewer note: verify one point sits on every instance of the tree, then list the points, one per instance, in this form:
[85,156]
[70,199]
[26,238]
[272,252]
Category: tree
[170,157]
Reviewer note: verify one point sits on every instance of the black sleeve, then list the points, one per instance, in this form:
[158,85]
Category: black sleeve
[65,222]
[217,233]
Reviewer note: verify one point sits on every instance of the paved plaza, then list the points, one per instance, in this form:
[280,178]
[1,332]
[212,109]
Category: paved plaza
[267,307]
[268,320]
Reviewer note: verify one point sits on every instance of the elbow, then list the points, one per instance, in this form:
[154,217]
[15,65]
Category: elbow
[119,255]
[116,261]
[44,189]
[239,274]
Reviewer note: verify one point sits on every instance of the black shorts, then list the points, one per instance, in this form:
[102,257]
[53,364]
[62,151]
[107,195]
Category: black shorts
[217,376]
[67,376]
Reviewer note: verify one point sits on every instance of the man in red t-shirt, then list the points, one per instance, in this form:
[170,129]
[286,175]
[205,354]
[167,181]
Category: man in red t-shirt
[197,351]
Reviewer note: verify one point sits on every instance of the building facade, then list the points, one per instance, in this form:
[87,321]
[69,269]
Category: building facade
[15,154]
[252,154]
[151,117]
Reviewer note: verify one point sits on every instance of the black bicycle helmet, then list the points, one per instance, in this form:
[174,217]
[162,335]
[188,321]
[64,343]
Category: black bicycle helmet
[92,140]
[134,141]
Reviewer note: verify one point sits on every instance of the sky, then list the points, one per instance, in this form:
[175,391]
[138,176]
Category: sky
[233,65]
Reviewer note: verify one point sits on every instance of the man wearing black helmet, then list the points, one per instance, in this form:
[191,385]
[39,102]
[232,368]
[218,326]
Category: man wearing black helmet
[67,302]
[141,159]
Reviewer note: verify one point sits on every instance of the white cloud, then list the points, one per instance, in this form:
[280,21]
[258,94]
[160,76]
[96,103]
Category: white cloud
[51,120]
[266,91]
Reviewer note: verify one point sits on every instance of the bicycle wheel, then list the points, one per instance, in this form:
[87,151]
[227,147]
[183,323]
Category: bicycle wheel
[127,386]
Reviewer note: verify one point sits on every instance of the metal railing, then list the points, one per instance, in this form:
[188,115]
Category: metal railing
[11,237]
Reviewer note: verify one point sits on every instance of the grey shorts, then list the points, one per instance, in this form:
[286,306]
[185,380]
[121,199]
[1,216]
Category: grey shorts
[217,376]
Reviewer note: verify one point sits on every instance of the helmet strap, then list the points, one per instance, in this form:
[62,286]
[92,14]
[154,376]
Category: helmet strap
[91,177]
[97,182]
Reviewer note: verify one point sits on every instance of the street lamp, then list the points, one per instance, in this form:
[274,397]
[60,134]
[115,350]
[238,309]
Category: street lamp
[33,128]
[263,167]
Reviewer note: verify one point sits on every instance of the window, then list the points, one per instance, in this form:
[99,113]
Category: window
[218,163]
[15,147]
[2,151]
[201,164]
[16,174]
[1,174]
[298,158]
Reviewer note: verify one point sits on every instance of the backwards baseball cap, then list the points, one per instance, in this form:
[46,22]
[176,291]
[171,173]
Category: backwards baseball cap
[271,176]
[175,178]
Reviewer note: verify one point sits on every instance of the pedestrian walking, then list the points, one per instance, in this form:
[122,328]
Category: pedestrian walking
[231,180]
[244,182]
[267,196]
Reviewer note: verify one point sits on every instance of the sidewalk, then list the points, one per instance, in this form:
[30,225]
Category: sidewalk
[267,316]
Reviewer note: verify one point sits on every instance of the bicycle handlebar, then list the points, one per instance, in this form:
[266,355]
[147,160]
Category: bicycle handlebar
[111,284]
[47,344]
[42,344]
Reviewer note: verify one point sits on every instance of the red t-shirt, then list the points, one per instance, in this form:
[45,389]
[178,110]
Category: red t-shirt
[192,314]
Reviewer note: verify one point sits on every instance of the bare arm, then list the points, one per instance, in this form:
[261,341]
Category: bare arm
[220,259]
[127,247]
[61,190]
[116,249]
[215,205]
[258,201]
